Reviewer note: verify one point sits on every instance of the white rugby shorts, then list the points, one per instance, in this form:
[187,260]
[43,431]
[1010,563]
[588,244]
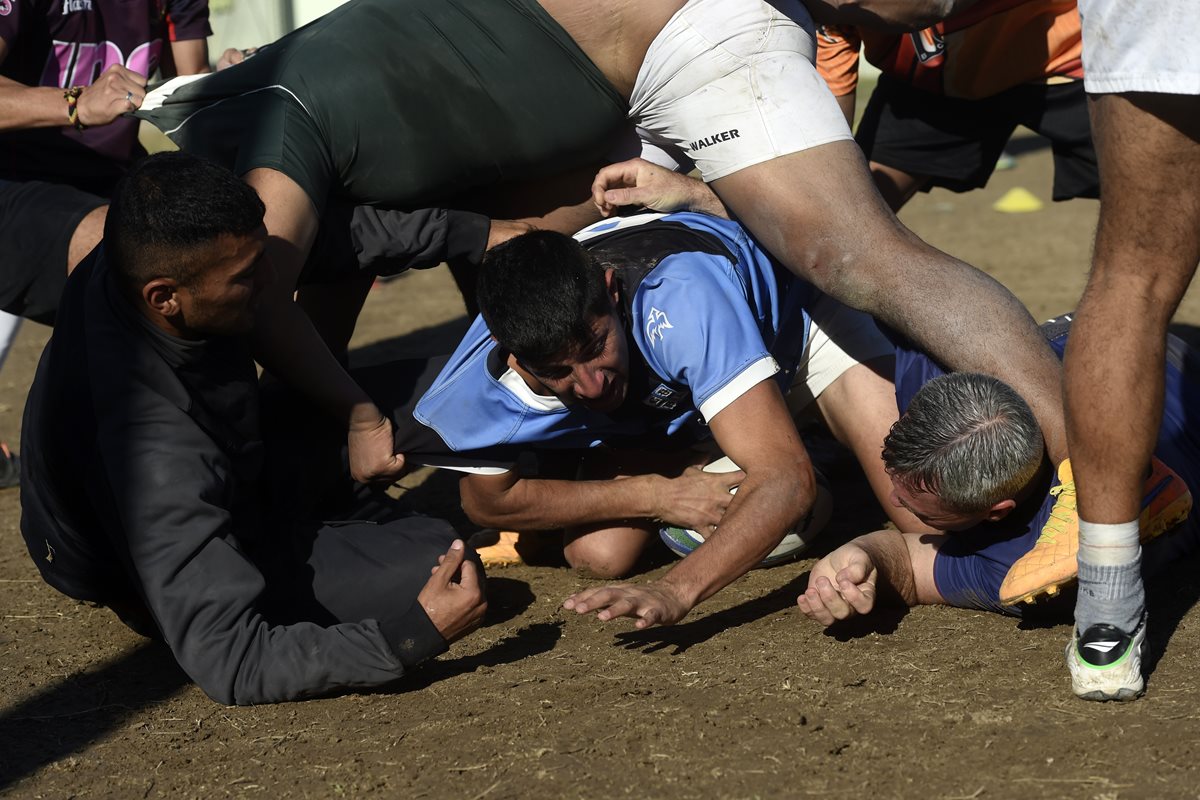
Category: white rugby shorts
[839,338]
[726,85]
[1141,46]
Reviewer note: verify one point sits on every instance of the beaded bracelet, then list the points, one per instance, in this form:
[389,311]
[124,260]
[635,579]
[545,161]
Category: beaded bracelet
[72,97]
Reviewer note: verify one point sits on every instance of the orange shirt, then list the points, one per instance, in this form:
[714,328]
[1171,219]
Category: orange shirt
[992,46]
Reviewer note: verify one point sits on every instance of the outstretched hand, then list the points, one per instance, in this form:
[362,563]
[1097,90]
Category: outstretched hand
[696,499]
[453,597]
[840,586]
[653,603]
[638,182]
[372,451]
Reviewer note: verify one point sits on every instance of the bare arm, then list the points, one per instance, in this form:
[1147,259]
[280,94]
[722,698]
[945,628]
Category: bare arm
[190,57]
[756,432]
[860,409]
[893,15]
[24,106]
[846,102]
[286,343]
[885,564]
[695,500]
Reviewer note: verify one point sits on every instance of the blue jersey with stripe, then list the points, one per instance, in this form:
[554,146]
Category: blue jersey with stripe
[708,314]
[971,565]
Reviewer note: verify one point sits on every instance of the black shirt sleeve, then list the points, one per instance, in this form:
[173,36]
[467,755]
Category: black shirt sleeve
[363,239]
[172,492]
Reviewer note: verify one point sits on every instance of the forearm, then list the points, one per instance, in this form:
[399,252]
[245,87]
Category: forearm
[890,555]
[761,514]
[30,106]
[539,504]
[287,344]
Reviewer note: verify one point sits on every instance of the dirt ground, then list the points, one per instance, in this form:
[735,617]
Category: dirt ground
[745,699]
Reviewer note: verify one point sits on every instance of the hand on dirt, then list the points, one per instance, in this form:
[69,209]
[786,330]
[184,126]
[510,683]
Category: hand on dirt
[696,499]
[637,182]
[453,596]
[116,91]
[372,451]
[840,586]
[504,229]
[652,603]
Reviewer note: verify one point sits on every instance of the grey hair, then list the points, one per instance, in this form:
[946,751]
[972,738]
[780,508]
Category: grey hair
[967,438]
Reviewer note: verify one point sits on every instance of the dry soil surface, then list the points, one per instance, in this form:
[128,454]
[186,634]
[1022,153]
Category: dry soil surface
[746,698]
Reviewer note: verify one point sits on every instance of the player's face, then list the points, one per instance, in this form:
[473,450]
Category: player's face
[598,376]
[223,300]
[930,509]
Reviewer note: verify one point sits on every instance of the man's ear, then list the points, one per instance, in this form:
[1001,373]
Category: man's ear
[1001,509]
[162,296]
[610,283]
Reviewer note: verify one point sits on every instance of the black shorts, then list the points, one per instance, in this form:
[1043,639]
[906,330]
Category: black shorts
[37,221]
[956,142]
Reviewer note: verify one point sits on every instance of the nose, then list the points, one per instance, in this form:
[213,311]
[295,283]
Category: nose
[589,383]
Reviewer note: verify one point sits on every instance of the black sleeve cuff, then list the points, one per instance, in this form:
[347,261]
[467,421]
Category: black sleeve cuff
[413,636]
[466,235]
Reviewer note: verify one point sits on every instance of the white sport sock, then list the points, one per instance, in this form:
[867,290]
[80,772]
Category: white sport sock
[1110,576]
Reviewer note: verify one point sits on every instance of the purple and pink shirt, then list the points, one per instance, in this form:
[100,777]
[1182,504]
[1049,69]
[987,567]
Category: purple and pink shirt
[65,43]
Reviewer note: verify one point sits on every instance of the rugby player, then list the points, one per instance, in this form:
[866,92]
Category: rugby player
[650,333]
[529,90]
[950,96]
[1143,85]
[966,457]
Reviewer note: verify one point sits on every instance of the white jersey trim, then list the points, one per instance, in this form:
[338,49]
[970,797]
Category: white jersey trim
[469,470]
[155,99]
[517,385]
[619,223]
[743,382]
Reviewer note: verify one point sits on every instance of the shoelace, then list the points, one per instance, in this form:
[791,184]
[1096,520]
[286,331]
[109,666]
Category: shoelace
[1062,514]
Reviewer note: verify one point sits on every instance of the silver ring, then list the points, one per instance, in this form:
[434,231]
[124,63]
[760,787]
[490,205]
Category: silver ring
[129,98]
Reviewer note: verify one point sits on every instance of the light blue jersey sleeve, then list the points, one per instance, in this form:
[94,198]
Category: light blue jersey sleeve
[693,324]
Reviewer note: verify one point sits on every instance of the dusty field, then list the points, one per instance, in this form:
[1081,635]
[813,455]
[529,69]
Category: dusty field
[745,699]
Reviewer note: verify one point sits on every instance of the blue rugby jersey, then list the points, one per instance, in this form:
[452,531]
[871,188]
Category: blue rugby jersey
[708,315]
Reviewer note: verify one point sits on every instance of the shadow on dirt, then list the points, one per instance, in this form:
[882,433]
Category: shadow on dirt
[71,715]
[685,636]
[426,342]
[507,598]
[528,641]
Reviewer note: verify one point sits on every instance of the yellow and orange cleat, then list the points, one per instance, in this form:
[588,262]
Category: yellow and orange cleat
[1051,564]
[497,548]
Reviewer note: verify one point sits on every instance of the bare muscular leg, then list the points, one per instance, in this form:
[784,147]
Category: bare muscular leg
[1147,248]
[819,213]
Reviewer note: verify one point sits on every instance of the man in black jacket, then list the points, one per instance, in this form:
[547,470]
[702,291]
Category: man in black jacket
[151,488]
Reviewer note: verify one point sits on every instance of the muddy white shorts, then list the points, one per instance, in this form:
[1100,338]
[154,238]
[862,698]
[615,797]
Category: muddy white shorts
[726,85]
[839,338]
[1141,46]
